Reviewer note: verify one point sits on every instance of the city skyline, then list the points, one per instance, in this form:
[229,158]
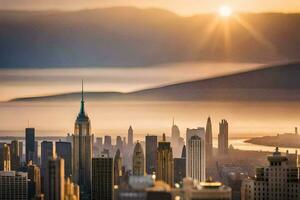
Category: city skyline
[149,100]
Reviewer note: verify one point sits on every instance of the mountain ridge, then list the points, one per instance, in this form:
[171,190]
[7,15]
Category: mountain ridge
[102,37]
[276,83]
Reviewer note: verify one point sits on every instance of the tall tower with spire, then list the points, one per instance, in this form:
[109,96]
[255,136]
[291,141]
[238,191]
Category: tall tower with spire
[208,139]
[130,137]
[82,151]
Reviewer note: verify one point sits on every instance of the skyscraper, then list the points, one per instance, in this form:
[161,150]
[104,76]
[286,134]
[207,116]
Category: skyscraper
[177,142]
[55,177]
[195,161]
[30,144]
[46,154]
[180,167]
[208,139]
[64,150]
[151,153]
[15,155]
[117,167]
[279,180]
[34,184]
[6,158]
[103,178]
[175,132]
[223,137]
[107,143]
[82,152]
[119,143]
[165,163]
[13,185]
[138,168]
[130,137]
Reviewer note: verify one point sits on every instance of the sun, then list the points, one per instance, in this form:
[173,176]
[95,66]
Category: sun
[225,11]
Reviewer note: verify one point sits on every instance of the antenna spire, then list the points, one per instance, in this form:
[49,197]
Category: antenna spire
[82,99]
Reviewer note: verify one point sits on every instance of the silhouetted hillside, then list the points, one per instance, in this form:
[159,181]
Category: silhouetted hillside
[127,36]
[278,83]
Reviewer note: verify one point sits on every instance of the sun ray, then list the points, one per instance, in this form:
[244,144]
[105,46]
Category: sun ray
[255,34]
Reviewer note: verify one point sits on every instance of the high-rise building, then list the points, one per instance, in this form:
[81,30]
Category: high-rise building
[35,156]
[208,139]
[21,151]
[30,145]
[119,143]
[82,152]
[98,147]
[138,168]
[205,191]
[175,132]
[177,142]
[130,137]
[223,137]
[117,167]
[151,153]
[195,152]
[13,185]
[180,167]
[107,143]
[280,180]
[55,179]
[72,191]
[103,178]
[34,184]
[64,150]
[15,155]
[46,154]
[165,162]
[6,158]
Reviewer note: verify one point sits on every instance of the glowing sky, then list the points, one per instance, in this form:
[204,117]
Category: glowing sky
[185,7]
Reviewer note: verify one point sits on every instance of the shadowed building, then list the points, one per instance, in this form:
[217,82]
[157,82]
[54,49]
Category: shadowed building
[223,137]
[30,145]
[82,152]
[138,168]
[55,179]
[195,161]
[15,155]
[13,185]
[64,150]
[34,184]
[102,178]
[180,167]
[151,153]
[165,163]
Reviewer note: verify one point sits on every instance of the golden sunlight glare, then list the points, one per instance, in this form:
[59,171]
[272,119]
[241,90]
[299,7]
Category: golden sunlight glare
[225,11]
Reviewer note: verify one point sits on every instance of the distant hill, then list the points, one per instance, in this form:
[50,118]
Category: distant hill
[281,140]
[128,36]
[276,83]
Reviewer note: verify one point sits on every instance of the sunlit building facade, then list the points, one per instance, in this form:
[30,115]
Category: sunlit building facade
[195,154]
[278,181]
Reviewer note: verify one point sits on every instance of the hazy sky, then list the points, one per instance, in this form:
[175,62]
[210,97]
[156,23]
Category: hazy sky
[185,7]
